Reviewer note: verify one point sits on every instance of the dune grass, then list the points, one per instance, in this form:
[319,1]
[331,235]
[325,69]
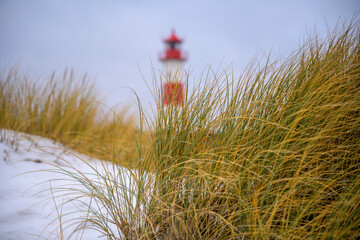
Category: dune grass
[275,155]
[272,155]
[66,109]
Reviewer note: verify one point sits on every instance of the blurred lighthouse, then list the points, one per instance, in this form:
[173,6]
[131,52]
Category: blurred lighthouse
[173,59]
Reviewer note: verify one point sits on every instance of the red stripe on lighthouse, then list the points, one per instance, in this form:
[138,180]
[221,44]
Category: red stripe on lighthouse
[173,93]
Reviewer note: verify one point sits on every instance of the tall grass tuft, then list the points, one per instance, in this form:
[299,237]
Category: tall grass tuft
[66,109]
[275,155]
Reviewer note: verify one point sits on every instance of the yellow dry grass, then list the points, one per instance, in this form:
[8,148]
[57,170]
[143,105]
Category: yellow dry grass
[66,109]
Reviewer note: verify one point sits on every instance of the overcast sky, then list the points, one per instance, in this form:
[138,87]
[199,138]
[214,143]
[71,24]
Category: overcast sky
[113,40]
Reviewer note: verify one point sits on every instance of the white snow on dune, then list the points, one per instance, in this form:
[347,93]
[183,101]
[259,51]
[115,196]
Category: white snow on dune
[27,206]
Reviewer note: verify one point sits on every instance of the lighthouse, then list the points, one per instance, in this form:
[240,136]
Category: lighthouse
[173,59]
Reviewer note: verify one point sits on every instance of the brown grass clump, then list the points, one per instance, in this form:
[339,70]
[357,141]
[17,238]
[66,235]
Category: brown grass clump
[273,156]
[65,109]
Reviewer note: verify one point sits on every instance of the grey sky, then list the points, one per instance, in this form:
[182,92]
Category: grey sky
[112,40]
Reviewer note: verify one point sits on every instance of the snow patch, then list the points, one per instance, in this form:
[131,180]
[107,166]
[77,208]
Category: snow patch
[28,173]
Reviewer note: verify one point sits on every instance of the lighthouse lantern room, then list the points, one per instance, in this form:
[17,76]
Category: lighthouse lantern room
[173,60]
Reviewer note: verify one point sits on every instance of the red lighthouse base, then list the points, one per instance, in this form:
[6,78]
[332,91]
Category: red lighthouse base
[173,93]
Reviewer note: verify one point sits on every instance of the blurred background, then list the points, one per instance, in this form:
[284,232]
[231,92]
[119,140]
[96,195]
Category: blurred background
[117,43]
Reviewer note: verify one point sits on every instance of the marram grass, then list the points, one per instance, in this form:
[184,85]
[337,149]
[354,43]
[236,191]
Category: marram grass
[272,155]
[275,155]
[66,109]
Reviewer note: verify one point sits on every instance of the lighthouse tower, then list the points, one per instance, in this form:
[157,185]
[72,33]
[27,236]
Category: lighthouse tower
[173,60]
